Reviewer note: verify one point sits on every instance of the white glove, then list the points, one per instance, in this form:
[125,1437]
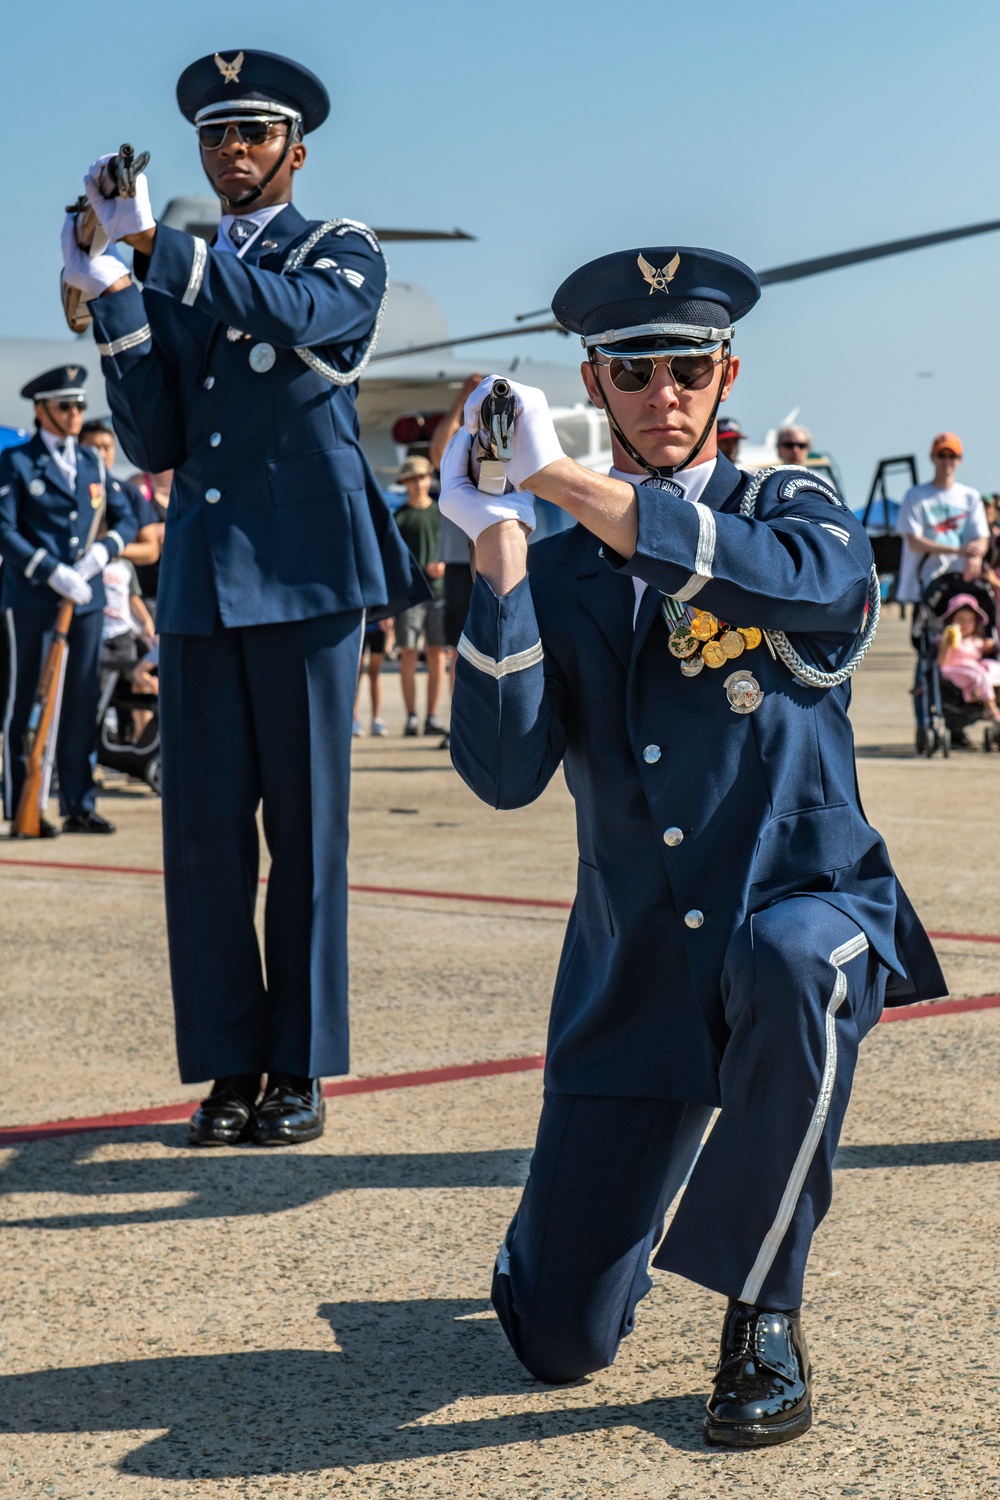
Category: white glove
[468,507]
[70,584]
[94,561]
[118,216]
[534,444]
[92,274]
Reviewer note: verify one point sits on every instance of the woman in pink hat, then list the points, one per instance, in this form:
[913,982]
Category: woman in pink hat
[962,651]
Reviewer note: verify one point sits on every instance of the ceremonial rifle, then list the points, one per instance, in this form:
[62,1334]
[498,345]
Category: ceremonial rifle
[496,433]
[122,171]
[27,822]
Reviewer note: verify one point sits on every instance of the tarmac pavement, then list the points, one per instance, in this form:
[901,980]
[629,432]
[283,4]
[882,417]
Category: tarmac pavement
[315,1322]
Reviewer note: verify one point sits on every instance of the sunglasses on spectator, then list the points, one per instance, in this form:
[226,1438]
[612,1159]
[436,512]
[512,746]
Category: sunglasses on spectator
[632,373]
[792,443]
[250,132]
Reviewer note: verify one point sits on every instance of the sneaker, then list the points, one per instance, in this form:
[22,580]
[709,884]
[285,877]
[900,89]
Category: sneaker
[411,727]
[379,730]
[356,728]
[433,725]
[445,742]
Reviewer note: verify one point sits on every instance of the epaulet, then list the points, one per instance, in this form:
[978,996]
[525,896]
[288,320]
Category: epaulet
[790,480]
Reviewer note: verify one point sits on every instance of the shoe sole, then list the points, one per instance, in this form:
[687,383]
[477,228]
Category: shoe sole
[756,1434]
[298,1140]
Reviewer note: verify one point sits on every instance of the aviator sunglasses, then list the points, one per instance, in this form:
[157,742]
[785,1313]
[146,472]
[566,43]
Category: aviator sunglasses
[77,403]
[250,132]
[633,372]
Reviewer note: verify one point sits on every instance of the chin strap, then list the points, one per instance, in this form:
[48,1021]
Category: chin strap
[291,137]
[666,471]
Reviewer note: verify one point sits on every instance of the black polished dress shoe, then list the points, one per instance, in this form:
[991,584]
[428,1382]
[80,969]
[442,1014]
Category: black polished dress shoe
[292,1110]
[227,1115]
[87,822]
[46,830]
[762,1389]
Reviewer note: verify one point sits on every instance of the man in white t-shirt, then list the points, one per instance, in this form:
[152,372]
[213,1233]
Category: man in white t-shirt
[943,525]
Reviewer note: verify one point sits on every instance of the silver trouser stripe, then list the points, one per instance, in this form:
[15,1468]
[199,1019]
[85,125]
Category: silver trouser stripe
[8,790]
[519,662]
[198,260]
[814,1133]
[113,536]
[704,555]
[29,571]
[126,342]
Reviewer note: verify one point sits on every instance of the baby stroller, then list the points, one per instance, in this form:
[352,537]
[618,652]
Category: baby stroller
[942,714]
[115,749]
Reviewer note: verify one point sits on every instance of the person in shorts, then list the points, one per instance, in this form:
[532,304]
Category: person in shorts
[419,522]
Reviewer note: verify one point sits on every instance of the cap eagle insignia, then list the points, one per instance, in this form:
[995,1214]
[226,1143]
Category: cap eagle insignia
[72,371]
[230,70]
[658,279]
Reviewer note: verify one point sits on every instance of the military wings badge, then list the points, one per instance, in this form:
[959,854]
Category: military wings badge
[230,70]
[658,279]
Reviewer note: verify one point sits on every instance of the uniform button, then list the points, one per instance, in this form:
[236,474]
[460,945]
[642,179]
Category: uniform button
[209,382]
[213,495]
[73,515]
[673,837]
[74,541]
[651,754]
[215,439]
[694,918]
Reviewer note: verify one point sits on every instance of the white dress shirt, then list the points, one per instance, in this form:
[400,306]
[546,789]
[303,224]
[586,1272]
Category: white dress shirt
[63,450]
[259,216]
[692,481]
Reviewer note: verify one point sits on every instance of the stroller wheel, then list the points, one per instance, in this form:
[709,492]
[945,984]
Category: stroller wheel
[921,741]
[946,743]
[151,773]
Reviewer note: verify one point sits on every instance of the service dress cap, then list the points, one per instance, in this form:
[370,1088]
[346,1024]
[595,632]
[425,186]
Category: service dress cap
[63,381]
[240,82]
[666,296]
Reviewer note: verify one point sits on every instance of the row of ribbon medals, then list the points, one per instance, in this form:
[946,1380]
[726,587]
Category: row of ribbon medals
[699,640]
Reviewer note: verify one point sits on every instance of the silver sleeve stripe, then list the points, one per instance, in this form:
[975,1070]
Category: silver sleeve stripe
[126,342]
[704,555]
[199,259]
[837,531]
[519,662]
[29,571]
[814,1132]
[117,538]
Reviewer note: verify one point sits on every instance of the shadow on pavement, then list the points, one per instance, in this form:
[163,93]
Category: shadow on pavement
[294,1411]
[229,1183]
[920,1154]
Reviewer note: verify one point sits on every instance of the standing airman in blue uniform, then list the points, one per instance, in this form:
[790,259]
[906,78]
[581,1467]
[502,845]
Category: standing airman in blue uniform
[236,366]
[49,489]
[685,652]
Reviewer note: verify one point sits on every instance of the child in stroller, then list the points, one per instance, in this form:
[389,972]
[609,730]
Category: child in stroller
[954,629]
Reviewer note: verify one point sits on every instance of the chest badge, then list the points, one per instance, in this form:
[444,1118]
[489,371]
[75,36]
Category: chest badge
[36,487]
[262,358]
[97,495]
[744,692]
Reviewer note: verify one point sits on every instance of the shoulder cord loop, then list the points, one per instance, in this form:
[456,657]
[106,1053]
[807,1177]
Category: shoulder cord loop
[799,668]
[308,356]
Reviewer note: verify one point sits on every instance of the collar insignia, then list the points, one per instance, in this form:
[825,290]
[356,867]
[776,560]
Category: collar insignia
[658,279]
[230,70]
[72,371]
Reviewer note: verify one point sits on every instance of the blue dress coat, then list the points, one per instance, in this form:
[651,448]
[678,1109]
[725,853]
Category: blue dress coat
[44,521]
[690,817]
[275,514]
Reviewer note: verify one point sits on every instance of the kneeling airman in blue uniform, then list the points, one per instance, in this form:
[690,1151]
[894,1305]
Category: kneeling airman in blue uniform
[685,652]
[236,366]
[49,489]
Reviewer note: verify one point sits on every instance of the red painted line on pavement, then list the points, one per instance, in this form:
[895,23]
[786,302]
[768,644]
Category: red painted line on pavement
[404,890]
[14,1135]
[939,1008]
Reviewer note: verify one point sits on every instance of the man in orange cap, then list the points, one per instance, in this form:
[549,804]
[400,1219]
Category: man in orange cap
[943,524]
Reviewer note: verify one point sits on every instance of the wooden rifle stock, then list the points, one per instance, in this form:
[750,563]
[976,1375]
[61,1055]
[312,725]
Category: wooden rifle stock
[27,822]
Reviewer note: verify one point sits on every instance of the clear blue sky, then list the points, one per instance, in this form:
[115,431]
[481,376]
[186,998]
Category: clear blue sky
[560,130]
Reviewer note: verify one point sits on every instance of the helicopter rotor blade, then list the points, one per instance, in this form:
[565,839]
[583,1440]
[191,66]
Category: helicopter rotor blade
[797,270]
[472,338]
[421,234]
